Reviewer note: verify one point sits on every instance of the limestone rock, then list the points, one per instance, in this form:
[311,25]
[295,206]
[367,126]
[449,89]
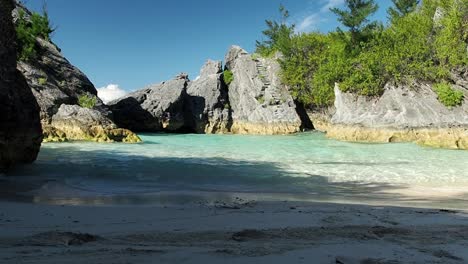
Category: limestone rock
[207,101]
[20,128]
[260,104]
[73,122]
[401,114]
[399,107]
[54,81]
[154,109]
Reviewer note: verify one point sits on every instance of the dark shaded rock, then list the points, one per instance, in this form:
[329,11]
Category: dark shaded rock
[55,82]
[208,109]
[20,128]
[157,108]
[52,78]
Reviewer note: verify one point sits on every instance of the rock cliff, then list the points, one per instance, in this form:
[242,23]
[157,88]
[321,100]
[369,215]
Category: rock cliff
[156,108]
[403,113]
[56,82]
[260,104]
[20,128]
[207,100]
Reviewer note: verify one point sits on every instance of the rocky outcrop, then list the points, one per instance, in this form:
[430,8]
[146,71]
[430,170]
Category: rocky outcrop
[156,108]
[73,122]
[401,114]
[259,103]
[207,101]
[255,102]
[55,82]
[20,128]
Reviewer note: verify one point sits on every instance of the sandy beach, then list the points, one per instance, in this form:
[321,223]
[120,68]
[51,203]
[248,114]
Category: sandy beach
[238,232]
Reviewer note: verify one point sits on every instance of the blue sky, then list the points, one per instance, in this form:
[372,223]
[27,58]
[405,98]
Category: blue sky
[135,43]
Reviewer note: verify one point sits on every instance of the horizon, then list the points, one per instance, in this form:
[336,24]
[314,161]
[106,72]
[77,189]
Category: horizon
[162,46]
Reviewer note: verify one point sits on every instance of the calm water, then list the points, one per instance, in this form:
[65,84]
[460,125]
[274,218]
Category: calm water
[189,168]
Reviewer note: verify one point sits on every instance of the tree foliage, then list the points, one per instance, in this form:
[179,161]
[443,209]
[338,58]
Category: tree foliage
[356,18]
[365,57]
[278,35]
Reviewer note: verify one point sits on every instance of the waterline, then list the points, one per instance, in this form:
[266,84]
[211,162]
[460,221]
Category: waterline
[296,167]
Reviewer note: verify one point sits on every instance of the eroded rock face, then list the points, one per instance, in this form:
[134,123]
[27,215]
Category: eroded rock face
[208,109]
[260,104]
[399,107]
[20,128]
[402,114]
[55,82]
[157,108]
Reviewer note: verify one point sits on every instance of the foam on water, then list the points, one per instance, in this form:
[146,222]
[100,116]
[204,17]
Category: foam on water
[305,166]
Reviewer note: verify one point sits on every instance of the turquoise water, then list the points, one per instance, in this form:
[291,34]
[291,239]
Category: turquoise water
[181,168]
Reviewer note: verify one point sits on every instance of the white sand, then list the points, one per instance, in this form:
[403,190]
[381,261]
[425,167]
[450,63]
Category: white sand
[280,232]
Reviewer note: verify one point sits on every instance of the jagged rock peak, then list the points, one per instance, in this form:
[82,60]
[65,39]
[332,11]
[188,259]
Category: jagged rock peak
[211,67]
[182,76]
[234,53]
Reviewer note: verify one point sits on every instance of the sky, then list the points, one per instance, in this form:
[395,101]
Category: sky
[126,45]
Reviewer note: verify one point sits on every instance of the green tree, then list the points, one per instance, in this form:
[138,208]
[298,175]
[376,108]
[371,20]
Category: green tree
[356,18]
[451,39]
[402,8]
[278,35]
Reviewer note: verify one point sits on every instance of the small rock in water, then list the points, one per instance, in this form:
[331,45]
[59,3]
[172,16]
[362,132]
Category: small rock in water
[55,238]
[247,234]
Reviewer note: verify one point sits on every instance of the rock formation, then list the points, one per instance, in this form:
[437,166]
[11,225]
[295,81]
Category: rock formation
[20,128]
[56,82]
[401,114]
[156,108]
[78,123]
[207,100]
[255,102]
[260,104]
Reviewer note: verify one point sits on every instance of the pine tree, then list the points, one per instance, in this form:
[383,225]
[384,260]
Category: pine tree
[356,18]
[278,35]
[402,8]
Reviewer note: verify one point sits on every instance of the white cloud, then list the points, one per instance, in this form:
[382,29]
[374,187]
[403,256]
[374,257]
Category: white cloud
[308,23]
[331,4]
[110,92]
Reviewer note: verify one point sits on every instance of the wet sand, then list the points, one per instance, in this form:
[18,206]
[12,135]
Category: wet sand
[241,231]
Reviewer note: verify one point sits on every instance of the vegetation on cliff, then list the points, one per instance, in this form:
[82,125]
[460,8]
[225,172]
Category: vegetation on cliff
[422,41]
[28,29]
[87,101]
[447,95]
[228,77]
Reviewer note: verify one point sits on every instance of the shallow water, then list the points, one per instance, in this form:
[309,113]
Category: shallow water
[188,168]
